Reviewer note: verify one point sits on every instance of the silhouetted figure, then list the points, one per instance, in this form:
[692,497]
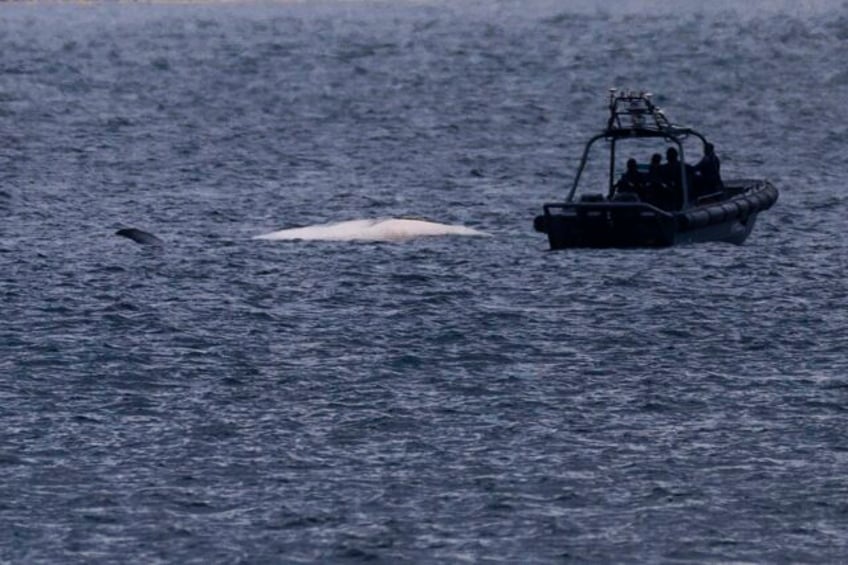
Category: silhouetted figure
[655,191]
[655,169]
[671,174]
[671,169]
[708,172]
[632,181]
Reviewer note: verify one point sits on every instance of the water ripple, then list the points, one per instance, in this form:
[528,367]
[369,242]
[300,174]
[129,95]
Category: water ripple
[440,399]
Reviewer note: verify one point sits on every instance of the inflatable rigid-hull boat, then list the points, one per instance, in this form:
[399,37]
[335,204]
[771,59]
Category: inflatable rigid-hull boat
[653,205]
[596,222]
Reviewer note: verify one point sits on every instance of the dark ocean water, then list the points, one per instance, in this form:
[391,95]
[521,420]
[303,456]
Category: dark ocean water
[443,399]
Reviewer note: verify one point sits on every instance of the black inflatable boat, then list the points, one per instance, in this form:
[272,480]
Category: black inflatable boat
[654,205]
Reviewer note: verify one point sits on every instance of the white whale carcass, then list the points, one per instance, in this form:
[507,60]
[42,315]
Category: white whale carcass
[390,229]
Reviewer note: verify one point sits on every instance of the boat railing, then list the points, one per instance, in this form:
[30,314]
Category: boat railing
[637,108]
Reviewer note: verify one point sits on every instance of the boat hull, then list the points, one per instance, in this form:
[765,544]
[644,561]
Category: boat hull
[728,217]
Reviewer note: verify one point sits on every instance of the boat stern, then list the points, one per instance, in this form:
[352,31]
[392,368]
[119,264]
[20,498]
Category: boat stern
[606,224]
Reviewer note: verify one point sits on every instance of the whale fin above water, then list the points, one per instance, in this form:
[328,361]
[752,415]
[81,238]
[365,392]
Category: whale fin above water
[139,236]
[391,229]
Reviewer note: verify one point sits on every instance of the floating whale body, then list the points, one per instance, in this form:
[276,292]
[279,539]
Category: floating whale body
[390,229]
[140,236]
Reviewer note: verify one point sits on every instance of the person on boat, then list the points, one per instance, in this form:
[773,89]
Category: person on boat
[655,169]
[654,191]
[655,173]
[708,172]
[671,170]
[632,181]
[671,175]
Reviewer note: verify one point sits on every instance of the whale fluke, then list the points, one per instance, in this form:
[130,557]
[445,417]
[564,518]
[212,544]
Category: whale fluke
[139,236]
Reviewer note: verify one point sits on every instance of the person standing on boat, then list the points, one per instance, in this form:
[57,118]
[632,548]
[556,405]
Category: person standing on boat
[655,190]
[671,170]
[671,176]
[708,171]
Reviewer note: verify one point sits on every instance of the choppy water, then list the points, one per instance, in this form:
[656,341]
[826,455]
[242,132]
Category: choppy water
[441,399]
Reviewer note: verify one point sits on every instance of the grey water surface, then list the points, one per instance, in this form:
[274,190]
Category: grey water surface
[444,399]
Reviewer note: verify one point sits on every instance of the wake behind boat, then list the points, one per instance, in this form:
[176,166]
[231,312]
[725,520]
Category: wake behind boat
[654,205]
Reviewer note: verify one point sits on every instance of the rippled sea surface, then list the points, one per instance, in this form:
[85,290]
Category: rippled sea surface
[442,399]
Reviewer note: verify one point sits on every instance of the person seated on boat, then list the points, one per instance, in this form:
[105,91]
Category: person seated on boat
[708,172]
[655,169]
[631,182]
